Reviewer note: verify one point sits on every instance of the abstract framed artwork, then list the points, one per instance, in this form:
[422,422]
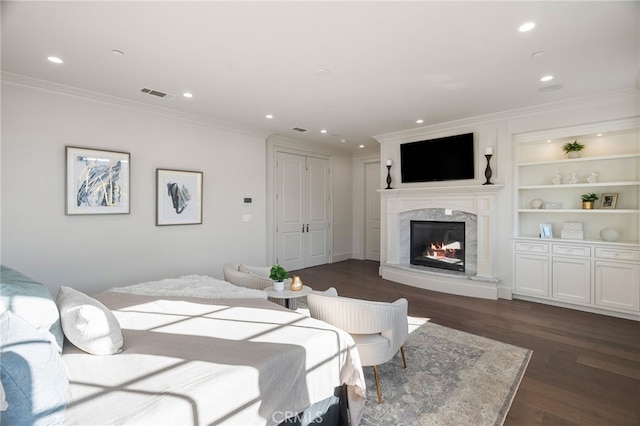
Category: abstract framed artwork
[609,200]
[97,181]
[178,197]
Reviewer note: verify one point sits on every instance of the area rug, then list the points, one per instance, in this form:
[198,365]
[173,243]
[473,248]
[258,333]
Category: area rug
[452,378]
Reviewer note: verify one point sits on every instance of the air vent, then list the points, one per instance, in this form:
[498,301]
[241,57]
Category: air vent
[157,93]
[299,129]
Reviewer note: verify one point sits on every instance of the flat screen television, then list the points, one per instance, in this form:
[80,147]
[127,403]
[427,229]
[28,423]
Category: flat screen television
[433,160]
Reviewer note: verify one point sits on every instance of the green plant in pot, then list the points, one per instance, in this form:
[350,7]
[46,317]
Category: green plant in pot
[278,274]
[572,149]
[588,200]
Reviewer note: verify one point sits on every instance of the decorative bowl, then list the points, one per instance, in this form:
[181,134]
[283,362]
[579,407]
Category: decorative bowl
[609,234]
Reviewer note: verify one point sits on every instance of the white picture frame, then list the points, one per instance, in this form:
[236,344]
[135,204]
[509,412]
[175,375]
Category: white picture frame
[546,230]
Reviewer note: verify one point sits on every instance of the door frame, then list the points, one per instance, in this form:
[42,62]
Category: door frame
[288,146]
[359,202]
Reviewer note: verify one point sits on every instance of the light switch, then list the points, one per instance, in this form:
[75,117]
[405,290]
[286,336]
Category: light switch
[247,218]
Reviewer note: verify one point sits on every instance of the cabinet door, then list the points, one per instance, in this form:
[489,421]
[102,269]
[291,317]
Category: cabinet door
[571,279]
[532,274]
[618,285]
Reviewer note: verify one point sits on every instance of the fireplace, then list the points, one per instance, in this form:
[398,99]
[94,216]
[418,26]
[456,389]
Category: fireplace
[437,244]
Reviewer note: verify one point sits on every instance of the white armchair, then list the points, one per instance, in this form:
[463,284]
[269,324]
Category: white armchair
[256,277]
[379,329]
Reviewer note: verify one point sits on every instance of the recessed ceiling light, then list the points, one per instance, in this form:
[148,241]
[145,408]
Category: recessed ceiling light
[116,52]
[55,59]
[527,26]
[322,72]
[599,134]
[343,140]
[420,121]
[547,78]
[323,131]
[187,95]
[268,116]
[548,140]
[360,146]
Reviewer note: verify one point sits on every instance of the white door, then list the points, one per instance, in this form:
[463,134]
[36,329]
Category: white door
[372,211]
[303,201]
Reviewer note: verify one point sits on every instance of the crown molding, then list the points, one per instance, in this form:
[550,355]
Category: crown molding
[505,116]
[47,86]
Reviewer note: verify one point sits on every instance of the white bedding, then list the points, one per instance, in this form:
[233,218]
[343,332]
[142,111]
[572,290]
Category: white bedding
[210,361]
[192,286]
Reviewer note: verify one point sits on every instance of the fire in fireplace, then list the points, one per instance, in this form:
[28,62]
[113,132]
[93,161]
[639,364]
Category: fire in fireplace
[437,244]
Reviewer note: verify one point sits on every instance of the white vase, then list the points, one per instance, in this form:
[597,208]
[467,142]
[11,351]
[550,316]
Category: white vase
[609,234]
[536,203]
[278,285]
[574,154]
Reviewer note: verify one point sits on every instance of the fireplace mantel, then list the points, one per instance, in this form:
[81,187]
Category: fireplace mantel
[475,199]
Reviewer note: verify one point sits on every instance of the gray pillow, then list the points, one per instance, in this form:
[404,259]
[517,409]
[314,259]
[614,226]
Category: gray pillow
[31,301]
[33,375]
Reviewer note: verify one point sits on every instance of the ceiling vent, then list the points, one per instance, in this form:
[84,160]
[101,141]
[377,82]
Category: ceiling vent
[299,129]
[156,93]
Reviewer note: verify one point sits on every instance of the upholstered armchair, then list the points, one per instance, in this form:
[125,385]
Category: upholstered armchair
[256,277]
[379,329]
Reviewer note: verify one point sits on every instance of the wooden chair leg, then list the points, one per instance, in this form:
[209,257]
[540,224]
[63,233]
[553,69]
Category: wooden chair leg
[377,375]
[404,360]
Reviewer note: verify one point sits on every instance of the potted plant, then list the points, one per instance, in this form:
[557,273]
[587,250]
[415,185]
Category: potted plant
[278,274]
[588,200]
[572,149]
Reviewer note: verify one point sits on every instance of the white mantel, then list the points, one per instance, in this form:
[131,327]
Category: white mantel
[475,199]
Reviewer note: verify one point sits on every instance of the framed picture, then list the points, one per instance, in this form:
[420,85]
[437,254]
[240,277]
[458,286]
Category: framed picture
[178,197]
[97,181]
[609,200]
[546,230]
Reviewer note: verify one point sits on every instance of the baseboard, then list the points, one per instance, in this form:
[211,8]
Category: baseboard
[339,257]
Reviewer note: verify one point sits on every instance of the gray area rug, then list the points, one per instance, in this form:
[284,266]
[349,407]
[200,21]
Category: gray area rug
[452,378]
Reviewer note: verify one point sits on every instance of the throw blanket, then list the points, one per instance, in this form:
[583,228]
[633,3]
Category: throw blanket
[193,286]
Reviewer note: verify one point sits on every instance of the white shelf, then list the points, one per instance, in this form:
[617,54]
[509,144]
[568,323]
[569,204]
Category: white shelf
[581,185]
[580,160]
[587,211]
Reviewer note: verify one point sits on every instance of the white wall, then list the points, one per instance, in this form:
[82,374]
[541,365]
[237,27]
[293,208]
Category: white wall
[92,253]
[498,131]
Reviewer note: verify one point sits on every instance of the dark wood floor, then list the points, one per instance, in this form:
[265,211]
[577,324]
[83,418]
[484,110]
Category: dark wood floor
[585,368]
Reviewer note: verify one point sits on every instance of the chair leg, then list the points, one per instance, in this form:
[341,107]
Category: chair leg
[404,360]
[375,372]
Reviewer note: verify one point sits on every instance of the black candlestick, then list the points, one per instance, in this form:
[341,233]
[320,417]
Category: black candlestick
[487,171]
[388,178]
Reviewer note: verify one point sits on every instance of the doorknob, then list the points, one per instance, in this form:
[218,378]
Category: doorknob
[307,227]
[303,228]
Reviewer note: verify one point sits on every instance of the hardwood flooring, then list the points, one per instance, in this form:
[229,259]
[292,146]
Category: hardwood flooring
[585,368]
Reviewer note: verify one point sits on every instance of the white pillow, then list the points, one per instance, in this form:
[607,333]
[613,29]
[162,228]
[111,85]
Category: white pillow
[261,271]
[88,324]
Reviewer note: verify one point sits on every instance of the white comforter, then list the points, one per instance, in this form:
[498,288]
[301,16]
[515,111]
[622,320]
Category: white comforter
[197,361]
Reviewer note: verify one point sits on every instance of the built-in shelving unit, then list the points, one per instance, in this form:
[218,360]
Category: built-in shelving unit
[589,273]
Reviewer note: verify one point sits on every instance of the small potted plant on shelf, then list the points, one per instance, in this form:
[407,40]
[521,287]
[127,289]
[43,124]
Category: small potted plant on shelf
[588,200]
[572,149]
[278,274]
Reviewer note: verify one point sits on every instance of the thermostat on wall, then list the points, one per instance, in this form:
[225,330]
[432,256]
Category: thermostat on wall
[247,200]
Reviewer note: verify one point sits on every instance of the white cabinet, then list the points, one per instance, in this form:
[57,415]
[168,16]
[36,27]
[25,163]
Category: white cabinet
[617,285]
[571,279]
[594,276]
[533,274]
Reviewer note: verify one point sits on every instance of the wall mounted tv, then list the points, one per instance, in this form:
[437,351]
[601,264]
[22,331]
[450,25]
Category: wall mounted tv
[433,160]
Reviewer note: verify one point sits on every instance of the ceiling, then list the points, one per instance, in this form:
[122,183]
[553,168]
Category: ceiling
[354,69]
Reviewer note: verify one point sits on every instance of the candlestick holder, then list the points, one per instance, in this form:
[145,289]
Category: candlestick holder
[487,171]
[388,178]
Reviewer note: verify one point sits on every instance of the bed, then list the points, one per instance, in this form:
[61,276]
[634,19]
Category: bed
[211,360]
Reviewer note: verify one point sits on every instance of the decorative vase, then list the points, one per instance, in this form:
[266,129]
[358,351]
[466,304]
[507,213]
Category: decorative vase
[536,203]
[574,154]
[609,234]
[587,205]
[278,285]
[296,284]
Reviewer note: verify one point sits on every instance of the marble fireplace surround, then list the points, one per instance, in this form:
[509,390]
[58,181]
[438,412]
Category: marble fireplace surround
[473,205]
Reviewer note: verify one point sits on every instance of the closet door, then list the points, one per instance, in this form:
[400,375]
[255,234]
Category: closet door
[303,211]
